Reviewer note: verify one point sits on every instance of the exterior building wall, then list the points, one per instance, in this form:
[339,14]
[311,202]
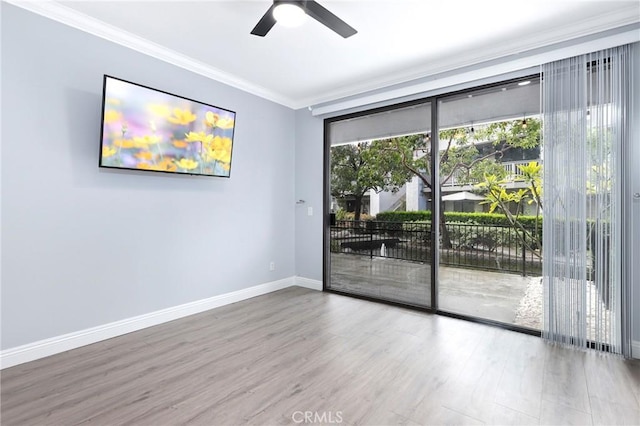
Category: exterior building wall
[416,198]
[386,200]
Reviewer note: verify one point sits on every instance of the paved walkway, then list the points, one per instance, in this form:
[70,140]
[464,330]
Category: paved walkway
[485,294]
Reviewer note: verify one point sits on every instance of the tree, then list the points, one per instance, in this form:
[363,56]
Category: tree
[498,197]
[459,157]
[357,169]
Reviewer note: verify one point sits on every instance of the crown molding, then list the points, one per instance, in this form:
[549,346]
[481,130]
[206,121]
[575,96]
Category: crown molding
[434,84]
[514,48]
[68,16]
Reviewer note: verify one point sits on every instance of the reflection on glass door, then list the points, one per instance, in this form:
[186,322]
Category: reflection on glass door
[378,176]
[490,169]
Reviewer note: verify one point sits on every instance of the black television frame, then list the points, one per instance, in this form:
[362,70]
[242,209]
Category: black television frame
[102,129]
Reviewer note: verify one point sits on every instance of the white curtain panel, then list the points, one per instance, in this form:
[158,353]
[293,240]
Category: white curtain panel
[587,110]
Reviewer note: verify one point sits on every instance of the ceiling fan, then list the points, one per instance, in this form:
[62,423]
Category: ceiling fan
[296,10]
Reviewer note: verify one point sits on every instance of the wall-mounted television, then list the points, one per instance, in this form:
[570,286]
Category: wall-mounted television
[148,129]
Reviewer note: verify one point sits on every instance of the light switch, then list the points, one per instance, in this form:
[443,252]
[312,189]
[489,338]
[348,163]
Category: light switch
[309,211]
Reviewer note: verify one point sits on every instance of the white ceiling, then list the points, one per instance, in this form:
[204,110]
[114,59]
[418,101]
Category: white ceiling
[397,40]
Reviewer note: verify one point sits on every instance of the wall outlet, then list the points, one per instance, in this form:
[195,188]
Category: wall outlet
[272,266]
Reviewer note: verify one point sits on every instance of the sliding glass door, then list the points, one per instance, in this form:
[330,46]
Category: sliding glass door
[438,203]
[490,165]
[377,173]
[446,218]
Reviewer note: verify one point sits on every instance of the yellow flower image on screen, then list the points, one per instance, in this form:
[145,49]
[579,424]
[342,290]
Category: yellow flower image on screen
[111,116]
[147,129]
[181,116]
[187,164]
[159,110]
[123,143]
[214,120]
[226,123]
[167,165]
[144,155]
[198,137]
[211,119]
[108,151]
[144,141]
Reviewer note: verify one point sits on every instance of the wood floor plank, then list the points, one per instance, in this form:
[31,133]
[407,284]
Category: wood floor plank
[554,414]
[609,379]
[431,412]
[500,415]
[565,381]
[475,386]
[521,384]
[294,351]
[613,413]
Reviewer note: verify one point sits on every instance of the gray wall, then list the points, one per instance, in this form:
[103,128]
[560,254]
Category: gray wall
[83,246]
[309,174]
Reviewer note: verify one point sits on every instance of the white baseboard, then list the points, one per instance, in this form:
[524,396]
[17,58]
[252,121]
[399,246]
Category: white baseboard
[635,349]
[58,344]
[308,283]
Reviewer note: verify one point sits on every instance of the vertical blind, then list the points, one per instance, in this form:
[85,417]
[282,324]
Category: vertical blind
[587,107]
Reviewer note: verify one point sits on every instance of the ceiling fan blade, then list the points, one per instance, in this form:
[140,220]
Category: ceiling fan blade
[265,24]
[322,15]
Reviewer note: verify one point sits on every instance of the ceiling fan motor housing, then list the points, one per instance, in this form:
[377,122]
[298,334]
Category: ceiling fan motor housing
[310,8]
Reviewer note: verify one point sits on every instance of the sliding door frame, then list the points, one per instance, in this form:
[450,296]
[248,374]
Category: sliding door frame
[326,237]
[435,207]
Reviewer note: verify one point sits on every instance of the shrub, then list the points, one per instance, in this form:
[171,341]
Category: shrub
[477,218]
[414,216]
[344,215]
[341,214]
[420,230]
[476,236]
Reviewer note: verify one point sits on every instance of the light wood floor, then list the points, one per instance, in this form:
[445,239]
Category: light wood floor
[269,359]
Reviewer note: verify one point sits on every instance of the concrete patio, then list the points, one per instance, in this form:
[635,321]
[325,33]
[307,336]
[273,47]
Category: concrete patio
[485,294]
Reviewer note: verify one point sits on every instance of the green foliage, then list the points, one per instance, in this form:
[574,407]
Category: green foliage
[476,236]
[341,214]
[418,230]
[387,164]
[500,198]
[487,218]
[413,216]
[411,152]
[351,216]
[356,169]
[459,217]
[486,167]
[514,133]
[416,225]
[460,157]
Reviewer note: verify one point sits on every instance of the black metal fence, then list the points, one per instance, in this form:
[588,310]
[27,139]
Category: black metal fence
[492,247]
